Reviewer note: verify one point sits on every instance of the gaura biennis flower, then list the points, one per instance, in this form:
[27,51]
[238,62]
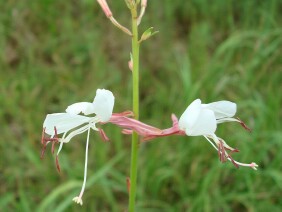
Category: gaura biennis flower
[202,119]
[197,120]
[70,124]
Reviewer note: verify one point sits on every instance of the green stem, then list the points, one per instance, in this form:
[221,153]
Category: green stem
[134,145]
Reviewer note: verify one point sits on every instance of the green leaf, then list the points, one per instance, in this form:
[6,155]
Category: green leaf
[147,34]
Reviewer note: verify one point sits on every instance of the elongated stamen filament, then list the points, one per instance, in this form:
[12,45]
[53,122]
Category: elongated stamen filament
[85,165]
[211,143]
[74,133]
[251,165]
[61,144]
[222,120]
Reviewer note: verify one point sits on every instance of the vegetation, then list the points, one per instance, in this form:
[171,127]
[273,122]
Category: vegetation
[55,53]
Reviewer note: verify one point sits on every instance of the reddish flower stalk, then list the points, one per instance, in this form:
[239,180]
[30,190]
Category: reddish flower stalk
[146,131]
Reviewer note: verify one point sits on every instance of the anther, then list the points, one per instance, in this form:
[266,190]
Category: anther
[57,164]
[43,135]
[244,125]
[232,160]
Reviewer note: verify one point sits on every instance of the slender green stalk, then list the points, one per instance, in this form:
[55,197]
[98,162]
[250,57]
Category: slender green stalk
[134,147]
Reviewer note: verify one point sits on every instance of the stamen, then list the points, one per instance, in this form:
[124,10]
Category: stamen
[60,147]
[43,151]
[56,132]
[103,135]
[222,152]
[55,140]
[233,161]
[53,147]
[43,135]
[234,150]
[57,163]
[236,163]
[43,142]
[244,125]
[75,132]
[211,142]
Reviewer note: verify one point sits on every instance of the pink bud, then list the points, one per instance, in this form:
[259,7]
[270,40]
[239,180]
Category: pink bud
[105,7]
[130,65]
[144,3]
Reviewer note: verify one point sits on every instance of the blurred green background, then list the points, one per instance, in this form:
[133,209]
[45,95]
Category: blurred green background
[55,53]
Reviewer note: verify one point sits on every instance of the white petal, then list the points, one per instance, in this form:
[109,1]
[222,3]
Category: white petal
[103,104]
[81,107]
[63,122]
[190,115]
[204,125]
[222,109]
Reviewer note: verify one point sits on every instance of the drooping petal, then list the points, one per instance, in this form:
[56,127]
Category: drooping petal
[63,122]
[190,115]
[205,124]
[222,109]
[81,107]
[103,104]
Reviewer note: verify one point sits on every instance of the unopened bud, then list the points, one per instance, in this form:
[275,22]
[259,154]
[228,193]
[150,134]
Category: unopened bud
[105,8]
[142,12]
[144,3]
[130,63]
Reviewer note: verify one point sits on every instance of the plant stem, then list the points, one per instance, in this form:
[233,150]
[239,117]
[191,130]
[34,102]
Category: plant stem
[134,145]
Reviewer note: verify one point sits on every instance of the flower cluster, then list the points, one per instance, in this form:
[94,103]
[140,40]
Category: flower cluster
[197,120]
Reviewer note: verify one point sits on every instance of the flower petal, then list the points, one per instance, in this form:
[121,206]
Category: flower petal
[63,122]
[103,104]
[190,115]
[81,107]
[222,109]
[205,124]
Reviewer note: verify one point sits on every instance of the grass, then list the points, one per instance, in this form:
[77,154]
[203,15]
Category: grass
[55,53]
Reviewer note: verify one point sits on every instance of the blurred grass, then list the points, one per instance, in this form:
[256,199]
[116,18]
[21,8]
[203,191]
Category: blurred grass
[54,53]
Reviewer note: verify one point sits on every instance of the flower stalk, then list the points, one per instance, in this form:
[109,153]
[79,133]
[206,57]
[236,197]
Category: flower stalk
[135,92]
[197,120]
[108,13]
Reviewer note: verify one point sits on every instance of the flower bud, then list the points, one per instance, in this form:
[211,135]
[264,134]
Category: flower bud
[105,8]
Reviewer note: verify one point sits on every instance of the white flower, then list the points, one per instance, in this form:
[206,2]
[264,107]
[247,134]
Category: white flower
[196,120]
[71,124]
[102,106]
[202,119]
